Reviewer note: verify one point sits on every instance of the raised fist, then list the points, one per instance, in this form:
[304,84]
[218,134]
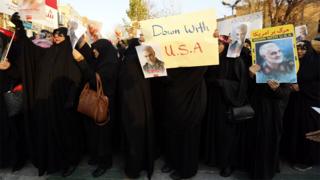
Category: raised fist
[15,19]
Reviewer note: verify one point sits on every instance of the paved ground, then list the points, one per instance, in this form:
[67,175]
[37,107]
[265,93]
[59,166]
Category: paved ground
[83,172]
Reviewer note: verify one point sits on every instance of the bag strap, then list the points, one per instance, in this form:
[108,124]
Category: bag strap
[86,86]
[99,85]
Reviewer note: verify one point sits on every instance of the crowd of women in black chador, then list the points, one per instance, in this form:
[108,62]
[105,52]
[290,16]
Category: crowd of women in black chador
[182,117]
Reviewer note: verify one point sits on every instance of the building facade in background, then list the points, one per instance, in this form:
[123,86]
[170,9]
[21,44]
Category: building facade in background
[308,13]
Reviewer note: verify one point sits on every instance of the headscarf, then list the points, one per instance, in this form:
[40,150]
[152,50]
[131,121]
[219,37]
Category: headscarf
[107,52]
[61,31]
[44,43]
[309,74]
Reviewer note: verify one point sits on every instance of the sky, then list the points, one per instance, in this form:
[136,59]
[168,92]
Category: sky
[111,12]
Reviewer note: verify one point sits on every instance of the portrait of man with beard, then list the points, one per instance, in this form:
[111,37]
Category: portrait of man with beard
[150,61]
[301,33]
[276,61]
[238,36]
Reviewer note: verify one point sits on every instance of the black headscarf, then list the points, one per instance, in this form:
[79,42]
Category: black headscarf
[107,51]
[61,31]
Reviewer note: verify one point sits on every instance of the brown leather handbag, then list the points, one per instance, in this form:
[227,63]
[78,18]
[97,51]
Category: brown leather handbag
[94,104]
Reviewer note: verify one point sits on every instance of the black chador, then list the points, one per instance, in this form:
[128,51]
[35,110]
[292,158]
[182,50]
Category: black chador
[99,138]
[50,79]
[136,114]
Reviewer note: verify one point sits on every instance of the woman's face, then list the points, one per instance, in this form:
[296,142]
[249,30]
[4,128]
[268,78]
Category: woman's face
[247,45]
[301,52]
[58,38]
[221,47]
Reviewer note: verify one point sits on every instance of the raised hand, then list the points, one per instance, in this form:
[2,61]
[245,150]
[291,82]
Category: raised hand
[4,65]
[15,19]
[77,55]
[216,33]
[254,69]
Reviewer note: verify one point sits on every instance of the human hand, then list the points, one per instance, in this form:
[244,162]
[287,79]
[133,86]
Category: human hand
[77,55]
[274,85]
[295,87]
[216,33]
[15,19]
[4,65]
[314,136]
[254,69]
[82,41]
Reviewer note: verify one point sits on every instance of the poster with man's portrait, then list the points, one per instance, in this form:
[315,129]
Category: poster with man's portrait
[75,31]
[238,36]
[254,21]
[275,53]
[301,32]
[151,61]
[32,10]
[93,32]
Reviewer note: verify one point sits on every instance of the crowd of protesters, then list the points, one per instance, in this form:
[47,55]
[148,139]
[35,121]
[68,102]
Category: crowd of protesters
[182,118]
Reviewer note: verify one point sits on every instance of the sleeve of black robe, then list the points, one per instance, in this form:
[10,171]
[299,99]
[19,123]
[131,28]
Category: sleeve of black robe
[85,50]
[309,79]
[27,47]
[29,60]
[88,73]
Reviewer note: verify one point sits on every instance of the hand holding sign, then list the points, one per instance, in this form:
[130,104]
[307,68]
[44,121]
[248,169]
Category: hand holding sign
[77,55]
[274,85]
[314,136]
[216,33]
[75,31]
[295,87]
[4,65]
[254,69]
